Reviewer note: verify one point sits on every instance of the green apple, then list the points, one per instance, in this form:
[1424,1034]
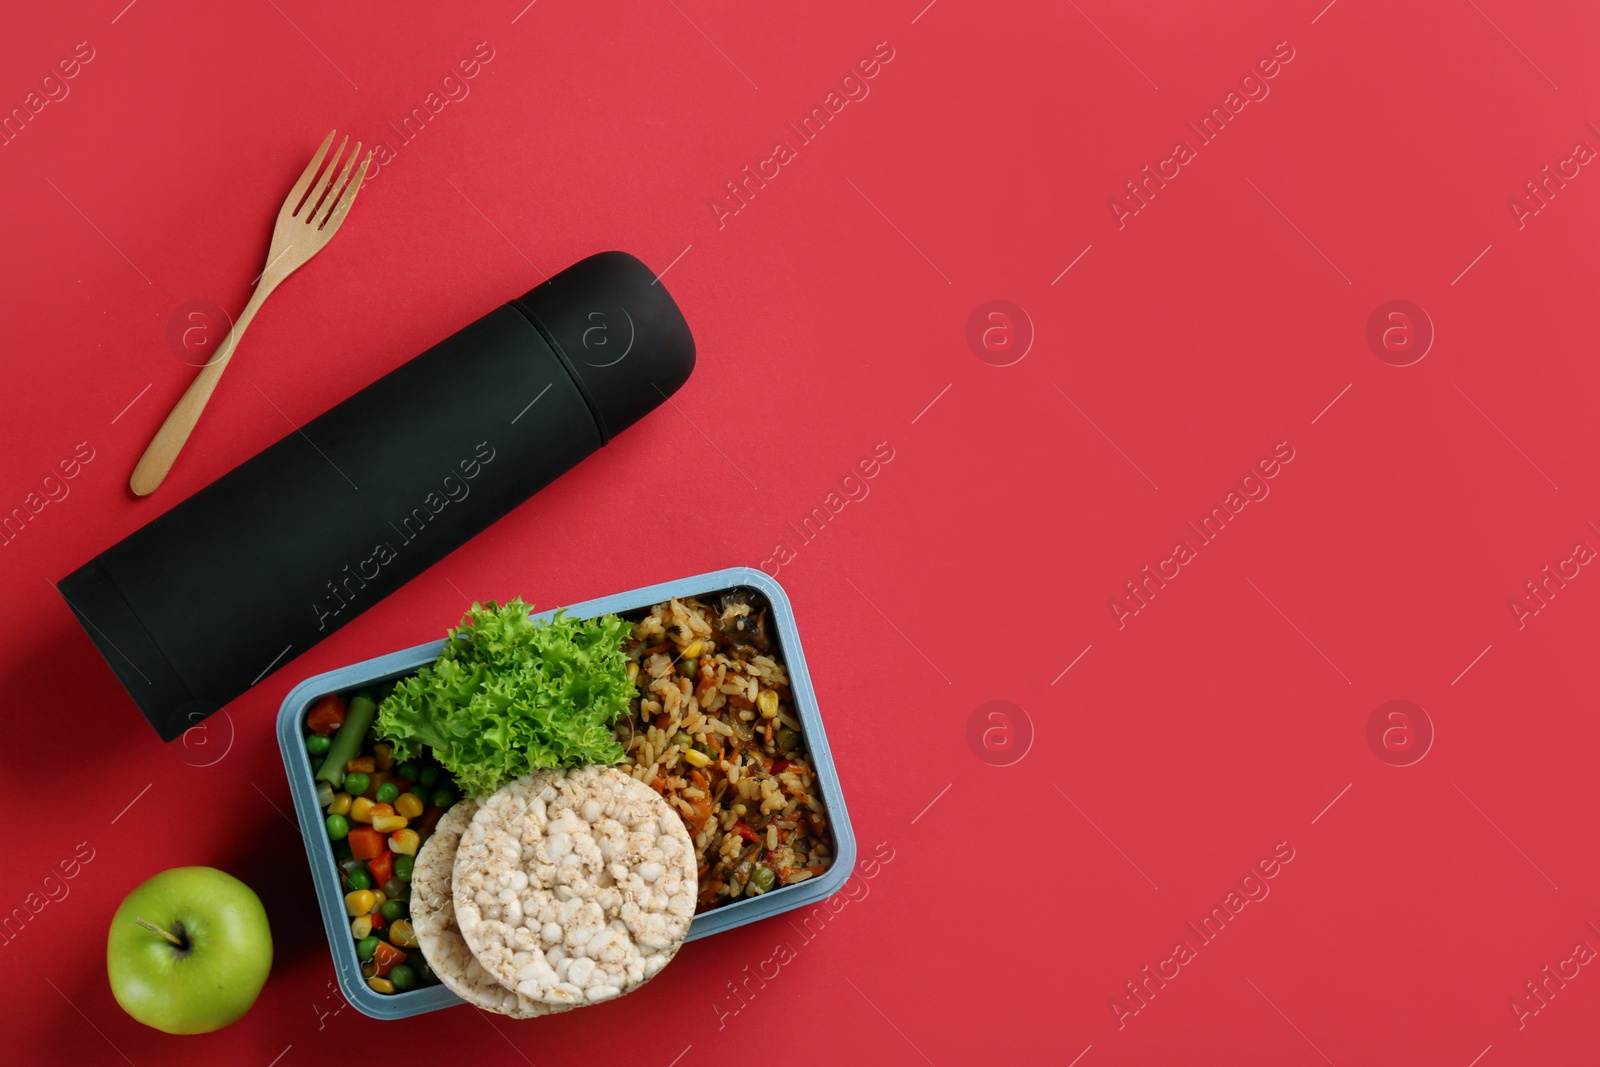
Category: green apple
[189,950]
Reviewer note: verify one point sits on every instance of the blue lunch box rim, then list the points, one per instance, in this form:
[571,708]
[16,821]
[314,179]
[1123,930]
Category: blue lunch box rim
[319,850]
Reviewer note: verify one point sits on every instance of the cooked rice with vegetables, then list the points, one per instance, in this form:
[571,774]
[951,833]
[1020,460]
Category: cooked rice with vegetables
[713,729]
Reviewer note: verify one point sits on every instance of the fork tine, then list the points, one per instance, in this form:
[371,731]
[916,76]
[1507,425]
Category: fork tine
[298,193]
[336,189]
[346,199]
[320,192]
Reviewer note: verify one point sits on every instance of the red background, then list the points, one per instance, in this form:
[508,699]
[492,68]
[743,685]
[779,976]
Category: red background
[1221,320]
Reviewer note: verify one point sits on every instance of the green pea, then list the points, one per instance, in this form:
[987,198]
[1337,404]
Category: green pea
[386,793]
[393,909]
[682,739]
[430,776]
[704,749]
[403,976]
[402,867]
[318,745]
[366,947]
[690,666]
[763,878]
[408,771]
[359,878]
[425,973]
[419,791]
[443,798]
[787,740]
[357,783]
[338,827]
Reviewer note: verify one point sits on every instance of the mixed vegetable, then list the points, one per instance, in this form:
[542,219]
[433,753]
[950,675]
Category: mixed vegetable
[377,812]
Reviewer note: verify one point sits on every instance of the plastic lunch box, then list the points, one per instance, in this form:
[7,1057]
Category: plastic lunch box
[324,871]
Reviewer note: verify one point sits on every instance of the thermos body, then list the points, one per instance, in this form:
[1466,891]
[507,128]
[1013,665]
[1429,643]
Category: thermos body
[231,584]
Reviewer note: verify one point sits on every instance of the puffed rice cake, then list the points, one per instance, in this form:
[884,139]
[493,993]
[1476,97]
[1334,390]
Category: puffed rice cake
[433,916]
[574,887]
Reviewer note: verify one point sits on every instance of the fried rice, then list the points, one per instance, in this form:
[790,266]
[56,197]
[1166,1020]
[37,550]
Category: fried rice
[713,729]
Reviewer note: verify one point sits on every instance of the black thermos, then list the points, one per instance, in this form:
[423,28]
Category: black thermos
[233,583]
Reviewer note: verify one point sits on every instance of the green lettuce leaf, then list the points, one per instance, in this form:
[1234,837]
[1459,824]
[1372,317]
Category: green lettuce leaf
[509,696]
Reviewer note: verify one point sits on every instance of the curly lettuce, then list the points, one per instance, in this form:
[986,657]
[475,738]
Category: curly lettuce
[510,695]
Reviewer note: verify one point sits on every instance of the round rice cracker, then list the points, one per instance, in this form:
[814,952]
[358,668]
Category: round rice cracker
[574,887]
[433,917]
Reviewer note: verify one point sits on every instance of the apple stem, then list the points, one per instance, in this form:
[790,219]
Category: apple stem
[153,928]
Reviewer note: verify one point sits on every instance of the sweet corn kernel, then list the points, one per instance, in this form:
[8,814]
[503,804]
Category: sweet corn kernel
[768,703]
[401,934]
[633,671]
[360,926]
[378,899]
[383,755]
[388,824]
[382,809]
[361,809]
[359,765]
[409,805]
[404,842]
[358,902]
[341,804]
[380,985]
[697,758]
[692,649]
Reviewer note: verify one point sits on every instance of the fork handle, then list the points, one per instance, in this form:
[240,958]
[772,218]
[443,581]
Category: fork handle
[169,440]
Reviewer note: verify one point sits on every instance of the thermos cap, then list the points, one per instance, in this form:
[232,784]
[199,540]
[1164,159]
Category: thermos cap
[619,333]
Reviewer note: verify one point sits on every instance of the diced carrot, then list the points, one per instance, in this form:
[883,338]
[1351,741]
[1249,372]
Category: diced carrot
[365,842]
[328,715]
[387,957]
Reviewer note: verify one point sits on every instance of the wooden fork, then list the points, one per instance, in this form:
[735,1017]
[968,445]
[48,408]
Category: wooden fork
[298,236]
